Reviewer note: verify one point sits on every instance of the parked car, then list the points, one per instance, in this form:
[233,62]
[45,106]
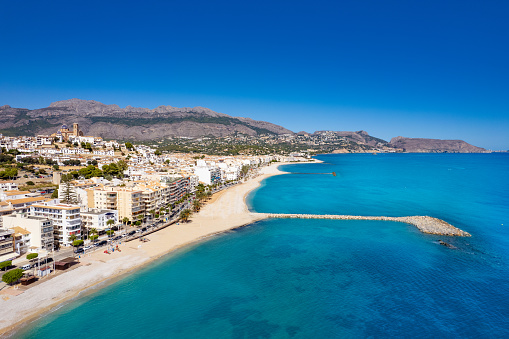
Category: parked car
[25,267]
[79,250]
[101,243]
[132,232]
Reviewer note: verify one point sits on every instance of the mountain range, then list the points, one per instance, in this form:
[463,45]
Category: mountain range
[143,124]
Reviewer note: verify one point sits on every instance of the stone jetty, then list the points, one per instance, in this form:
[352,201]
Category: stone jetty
[425,224]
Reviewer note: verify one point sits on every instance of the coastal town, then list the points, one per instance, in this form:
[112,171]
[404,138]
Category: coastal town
[66,195]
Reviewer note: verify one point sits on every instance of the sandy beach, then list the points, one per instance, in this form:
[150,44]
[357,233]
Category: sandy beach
[225,211]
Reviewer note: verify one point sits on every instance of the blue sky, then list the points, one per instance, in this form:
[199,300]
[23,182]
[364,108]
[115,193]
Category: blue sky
[434,69]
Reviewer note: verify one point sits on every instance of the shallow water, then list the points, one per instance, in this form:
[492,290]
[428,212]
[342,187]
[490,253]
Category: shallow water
[328,278]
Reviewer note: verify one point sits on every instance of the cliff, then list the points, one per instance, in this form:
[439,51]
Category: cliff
[421,145]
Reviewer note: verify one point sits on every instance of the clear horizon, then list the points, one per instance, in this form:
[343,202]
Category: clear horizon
[434,70]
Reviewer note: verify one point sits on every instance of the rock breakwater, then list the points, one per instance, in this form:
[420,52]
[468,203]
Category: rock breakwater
[425,224]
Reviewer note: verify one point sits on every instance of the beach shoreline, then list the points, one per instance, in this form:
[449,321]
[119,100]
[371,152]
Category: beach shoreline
[225,212]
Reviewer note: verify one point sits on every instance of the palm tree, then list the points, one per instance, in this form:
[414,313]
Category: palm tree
[125,221]
[110,222]
[94,232]
[196,205]
[185,214]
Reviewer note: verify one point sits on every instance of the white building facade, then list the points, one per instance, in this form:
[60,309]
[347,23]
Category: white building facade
[66,219]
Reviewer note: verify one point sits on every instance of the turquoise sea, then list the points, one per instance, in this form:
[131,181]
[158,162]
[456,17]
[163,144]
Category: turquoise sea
[328,278]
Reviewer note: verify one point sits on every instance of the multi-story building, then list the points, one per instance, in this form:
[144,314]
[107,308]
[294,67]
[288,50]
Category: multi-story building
[8,186]
[207,174]
[21,239]
[130,204]
[98,219]
[18,205]
[154,196]
[6,245]
[127,201]
[13,194]
[40,230]
[179,186]
[66,219]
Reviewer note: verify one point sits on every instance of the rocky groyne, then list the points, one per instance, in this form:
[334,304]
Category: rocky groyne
[425,224]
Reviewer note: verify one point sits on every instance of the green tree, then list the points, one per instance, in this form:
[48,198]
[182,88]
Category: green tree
[94,233]
[90,172]
[9,173]
[5,264]
[122,165]
[244,170]
[196,205]
[157,152]
[12,276]
[110,232]
[185,214]
[72,237]
[54,195]
[56,167]
[77,243]
[30,183]
[129,146]
[125,220]
[31,256]
[68,193]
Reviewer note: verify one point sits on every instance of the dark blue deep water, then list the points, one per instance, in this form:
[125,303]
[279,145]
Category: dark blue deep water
[327,278]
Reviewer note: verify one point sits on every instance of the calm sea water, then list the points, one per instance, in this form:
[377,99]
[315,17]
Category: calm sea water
[329,278]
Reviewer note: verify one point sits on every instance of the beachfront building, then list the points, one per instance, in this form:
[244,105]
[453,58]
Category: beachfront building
[127,201]
[21,240]
[33,232]
[98,219]
[178,186]
[7,245]
[154,196]
[66,219]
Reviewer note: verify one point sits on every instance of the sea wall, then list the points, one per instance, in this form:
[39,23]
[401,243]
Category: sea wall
[425,224]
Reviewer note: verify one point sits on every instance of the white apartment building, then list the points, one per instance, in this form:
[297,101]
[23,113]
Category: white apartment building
[208,174]
[98,218]
[44,140]
[8,186]
[13,195]
[66,219]
[40,230]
